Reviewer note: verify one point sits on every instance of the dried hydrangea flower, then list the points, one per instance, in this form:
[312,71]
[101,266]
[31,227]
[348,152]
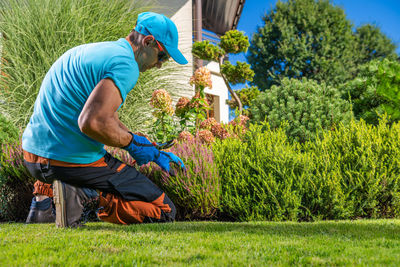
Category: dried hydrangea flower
[185,136]
[241,120]
[208,123]
[161,100]
[201,77]
[182,106]
[240,124]
[206,136]
[169,110]
[218,131]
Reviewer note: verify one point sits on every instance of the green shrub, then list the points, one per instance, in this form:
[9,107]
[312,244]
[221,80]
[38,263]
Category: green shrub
[375,91]
[364,159]
[306,105]
[348,173]
[16,184]
[8,132]
[259,175]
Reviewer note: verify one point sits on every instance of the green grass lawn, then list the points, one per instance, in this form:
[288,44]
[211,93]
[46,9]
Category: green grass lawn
[364,242]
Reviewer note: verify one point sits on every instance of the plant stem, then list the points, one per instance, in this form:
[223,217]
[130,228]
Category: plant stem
[234,95]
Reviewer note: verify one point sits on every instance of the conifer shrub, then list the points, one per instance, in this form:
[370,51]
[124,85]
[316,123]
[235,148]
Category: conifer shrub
[306,105]
[348,173]
[364,159]
[259,175]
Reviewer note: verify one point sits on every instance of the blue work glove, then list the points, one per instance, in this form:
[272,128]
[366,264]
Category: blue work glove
[142,150]
[166,158]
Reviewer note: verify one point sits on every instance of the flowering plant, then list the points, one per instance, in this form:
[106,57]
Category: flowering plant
[199,104]
[185,136]
[196,192]
[201,78]
[164,127]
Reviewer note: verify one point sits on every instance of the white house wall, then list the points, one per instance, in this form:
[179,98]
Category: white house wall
[218,89]
[183,18]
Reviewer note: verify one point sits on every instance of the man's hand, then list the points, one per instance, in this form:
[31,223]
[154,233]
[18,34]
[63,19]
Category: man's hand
[166,158]
[142,150]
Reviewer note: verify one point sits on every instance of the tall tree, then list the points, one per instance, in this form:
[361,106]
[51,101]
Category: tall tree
[303,38]
[373,44]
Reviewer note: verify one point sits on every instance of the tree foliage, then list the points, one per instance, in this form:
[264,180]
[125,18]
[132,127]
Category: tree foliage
[207,51]
[246,95]
[375,90]
[305,105]
[241,73]
[233,42]
[373,44]
[303,38]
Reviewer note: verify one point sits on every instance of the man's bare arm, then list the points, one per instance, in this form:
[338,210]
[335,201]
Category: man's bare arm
[99,117]
[120,123]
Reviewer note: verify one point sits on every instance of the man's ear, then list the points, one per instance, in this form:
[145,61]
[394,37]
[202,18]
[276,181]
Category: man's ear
[147,40]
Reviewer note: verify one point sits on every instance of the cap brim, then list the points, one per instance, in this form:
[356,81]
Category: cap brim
[176,55]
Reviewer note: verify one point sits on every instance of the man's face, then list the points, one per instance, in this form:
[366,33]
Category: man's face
[150,54]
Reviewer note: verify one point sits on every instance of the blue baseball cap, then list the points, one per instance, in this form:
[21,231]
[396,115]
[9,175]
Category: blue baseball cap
[164,30]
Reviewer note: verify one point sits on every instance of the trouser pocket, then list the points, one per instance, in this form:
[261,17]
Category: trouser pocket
[39,171]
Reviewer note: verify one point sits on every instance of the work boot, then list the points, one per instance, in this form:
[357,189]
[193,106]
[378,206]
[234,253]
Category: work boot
[69,201]
[41,211]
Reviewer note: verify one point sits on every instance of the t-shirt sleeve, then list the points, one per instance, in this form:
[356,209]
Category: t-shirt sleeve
[124,72]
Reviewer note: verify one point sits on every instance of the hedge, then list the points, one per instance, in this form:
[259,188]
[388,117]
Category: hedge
[350,172]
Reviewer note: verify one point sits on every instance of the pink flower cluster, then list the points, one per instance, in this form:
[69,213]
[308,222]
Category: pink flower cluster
[202,78]
[216,129]
[211,129]
[161,100]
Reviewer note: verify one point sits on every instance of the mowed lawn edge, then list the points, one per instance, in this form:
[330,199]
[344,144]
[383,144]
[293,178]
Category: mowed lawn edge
[361,242]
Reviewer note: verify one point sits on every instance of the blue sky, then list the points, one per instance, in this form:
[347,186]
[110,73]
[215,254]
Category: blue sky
[383,13]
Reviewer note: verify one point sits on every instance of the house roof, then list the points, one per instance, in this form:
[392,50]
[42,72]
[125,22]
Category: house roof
[220,16]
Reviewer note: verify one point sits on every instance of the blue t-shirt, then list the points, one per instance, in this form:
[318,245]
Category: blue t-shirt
[53,130]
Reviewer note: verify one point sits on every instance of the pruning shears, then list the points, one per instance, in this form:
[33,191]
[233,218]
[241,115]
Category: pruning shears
[159,146]
[166,145]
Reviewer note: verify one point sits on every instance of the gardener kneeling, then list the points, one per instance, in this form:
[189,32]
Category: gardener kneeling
[75,115]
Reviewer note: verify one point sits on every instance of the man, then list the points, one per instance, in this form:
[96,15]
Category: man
[75,115]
